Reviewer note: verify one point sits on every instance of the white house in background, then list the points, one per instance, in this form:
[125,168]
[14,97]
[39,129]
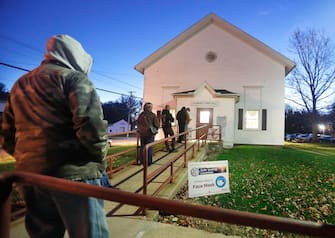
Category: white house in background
[225,76]
[118,127]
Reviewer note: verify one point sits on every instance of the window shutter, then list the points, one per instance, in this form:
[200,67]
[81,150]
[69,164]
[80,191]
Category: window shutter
[240,119]
[264,119]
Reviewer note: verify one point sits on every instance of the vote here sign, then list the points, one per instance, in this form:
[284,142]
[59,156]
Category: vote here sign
[208,178]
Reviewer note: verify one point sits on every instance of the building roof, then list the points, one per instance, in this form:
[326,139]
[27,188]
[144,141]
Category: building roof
[203,23]
[122,121]
[217,91]
[223,93]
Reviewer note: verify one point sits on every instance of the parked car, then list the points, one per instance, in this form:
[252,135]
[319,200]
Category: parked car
[326,138]
[304,137]
[291,137]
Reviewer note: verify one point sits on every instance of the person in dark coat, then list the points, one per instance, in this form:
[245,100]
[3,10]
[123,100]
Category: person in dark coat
[181,118]
[147,125]
[53,125]
[187,118]
[167,119]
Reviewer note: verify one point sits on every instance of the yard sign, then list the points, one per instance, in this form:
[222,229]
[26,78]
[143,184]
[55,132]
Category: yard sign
[208,178]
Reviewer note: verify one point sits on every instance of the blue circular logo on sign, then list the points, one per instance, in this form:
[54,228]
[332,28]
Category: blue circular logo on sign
[220,181]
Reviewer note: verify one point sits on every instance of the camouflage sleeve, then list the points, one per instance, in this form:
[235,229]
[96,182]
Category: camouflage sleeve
[7,131]
[91,129]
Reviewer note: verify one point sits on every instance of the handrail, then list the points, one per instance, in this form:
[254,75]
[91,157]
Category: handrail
[147,178]
[110,170]
[110,158]
[171,206]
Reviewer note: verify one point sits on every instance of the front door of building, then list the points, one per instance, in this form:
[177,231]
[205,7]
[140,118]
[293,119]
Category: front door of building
[204,117]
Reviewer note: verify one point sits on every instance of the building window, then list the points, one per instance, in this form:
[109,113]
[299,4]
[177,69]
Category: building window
[204,116]
[252,119]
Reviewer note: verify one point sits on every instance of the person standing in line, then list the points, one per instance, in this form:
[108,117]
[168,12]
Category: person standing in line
[181,118]
[53,125]
[147,125]
[167,119]
[187,118]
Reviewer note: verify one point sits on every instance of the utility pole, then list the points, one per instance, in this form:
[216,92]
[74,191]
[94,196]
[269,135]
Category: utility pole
[129,111]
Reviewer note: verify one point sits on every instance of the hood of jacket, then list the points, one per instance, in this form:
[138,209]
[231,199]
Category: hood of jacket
[67,50]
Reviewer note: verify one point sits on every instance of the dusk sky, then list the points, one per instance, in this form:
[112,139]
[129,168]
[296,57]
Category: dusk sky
[121,33]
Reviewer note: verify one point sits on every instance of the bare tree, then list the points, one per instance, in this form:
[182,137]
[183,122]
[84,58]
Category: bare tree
[313,79]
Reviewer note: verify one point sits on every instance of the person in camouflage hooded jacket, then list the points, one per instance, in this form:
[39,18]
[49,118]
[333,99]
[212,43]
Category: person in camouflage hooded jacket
[53,125]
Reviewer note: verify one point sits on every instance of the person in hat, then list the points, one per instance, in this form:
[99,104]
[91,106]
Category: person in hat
[53,125]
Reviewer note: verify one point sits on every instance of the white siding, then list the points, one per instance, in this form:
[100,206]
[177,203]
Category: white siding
[238,66]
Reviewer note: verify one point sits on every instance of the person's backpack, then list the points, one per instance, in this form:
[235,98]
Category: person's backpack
[165,120]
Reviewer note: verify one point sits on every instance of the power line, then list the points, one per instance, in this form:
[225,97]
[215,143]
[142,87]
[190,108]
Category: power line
[112,78]
[21,44]
[122,94]
[15,67]
[104,90]
[39,51]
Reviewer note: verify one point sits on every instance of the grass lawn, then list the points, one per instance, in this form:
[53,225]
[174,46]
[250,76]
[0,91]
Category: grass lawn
[125,158]
[295,180]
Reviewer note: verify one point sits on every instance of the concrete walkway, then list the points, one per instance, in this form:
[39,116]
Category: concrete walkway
[135,228]
[122,221]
